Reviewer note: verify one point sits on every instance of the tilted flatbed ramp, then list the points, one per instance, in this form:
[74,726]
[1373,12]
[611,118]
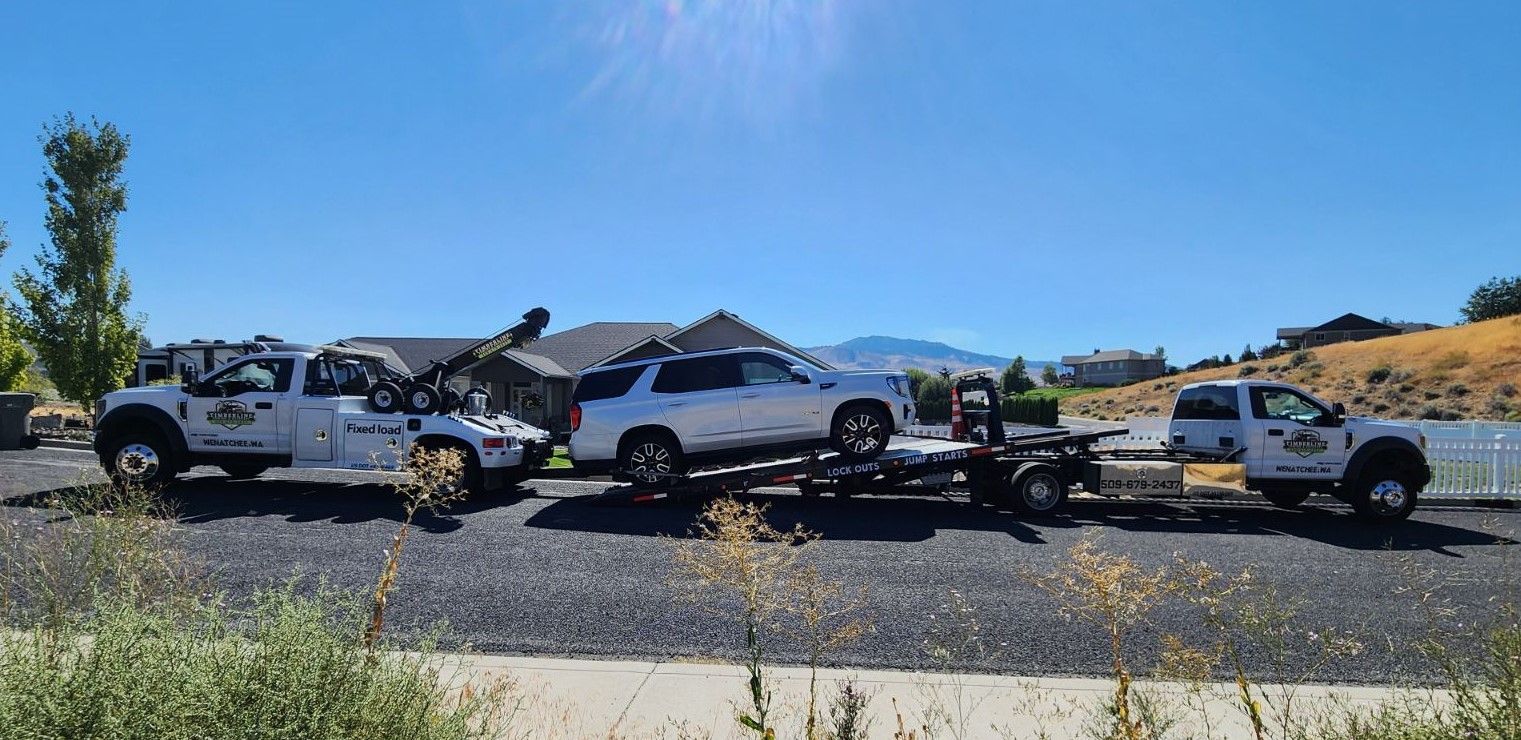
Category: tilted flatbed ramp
[906,458]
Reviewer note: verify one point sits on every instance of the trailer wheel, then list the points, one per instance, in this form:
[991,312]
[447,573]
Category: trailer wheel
[1037,488]
[385,397]
[422,399]
[1285,499]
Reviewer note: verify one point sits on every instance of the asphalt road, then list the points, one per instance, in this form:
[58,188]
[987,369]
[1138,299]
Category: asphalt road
[538,571]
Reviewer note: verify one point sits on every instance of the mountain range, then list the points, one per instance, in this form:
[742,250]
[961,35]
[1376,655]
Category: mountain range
[900,354]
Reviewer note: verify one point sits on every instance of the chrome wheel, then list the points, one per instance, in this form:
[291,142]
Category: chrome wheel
[137,462]
[1041,492]
[1387,497]
[861,434]
[650,457]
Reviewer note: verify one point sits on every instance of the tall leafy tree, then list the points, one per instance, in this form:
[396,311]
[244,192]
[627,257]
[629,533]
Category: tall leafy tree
[1015,379]
[74,307]
[1248,354]
[1049,376]
[14,359]
[1496,298]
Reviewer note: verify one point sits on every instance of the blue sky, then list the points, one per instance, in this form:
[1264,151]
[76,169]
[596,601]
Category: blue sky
[1010,177]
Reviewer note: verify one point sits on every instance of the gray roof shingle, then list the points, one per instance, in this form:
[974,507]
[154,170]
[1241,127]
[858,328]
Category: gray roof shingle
[576,349]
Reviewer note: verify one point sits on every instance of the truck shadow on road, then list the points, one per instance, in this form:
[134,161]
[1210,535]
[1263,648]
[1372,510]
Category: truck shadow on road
[209,499]
[917,519]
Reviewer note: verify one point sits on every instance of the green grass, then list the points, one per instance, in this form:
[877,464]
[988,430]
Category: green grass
[1060,393]
[561,459]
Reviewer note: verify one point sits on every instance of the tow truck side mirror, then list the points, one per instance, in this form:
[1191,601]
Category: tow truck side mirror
[1339,411]
[799,374]
[190,379]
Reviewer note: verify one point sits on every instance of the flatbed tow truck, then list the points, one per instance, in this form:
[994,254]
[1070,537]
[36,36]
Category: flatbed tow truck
[1031,470]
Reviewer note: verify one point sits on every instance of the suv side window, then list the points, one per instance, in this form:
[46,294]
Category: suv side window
[605,384]
[1208,403]
[756,368]
[696,374]
[1282,404]
[255,375]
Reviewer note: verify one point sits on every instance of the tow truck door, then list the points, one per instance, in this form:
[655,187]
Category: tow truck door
[1293,437]
[238,410]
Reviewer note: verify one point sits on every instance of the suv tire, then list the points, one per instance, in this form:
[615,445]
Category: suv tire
[861,432]
[651,451]
[141,458]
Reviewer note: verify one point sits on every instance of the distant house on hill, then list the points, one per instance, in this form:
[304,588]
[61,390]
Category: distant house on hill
[1346,328]
[1114,367]
[536,382]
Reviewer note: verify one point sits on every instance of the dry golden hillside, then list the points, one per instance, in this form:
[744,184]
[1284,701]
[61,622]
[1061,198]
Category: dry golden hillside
[1463,372]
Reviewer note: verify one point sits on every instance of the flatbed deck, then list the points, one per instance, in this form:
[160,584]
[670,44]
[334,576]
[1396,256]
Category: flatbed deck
[906,458]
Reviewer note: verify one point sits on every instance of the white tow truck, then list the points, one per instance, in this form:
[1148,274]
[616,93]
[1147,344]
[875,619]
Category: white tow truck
[313,407]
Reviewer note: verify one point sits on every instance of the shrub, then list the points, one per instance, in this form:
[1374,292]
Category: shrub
[1379,408]
[1273,368]
[1300,358]
[1431,411]
[1431,395]
[1246,370]
[298,670]
[1406,388]
[1359,398]
[1379,374]
[1506,389]
[1457,390]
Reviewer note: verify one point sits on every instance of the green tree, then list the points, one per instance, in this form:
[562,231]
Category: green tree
[1049,376]
[14,359]
[1248,354]
[1496,298]
[1161,353]
[916,378]
[1015,378]
[74,307]
[934,389]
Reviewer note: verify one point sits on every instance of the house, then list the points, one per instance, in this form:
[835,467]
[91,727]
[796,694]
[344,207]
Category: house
[1346,328]
[535,383]
[1114,367]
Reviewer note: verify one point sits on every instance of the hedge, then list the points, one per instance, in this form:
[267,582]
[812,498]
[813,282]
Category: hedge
[1016,409]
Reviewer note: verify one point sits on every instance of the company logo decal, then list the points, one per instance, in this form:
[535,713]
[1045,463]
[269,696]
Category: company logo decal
[231,414]
[1305,443]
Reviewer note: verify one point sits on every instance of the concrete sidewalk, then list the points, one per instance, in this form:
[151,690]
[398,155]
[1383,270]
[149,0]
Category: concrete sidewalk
[602,699]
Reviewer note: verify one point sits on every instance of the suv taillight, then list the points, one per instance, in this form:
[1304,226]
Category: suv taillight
[575,416]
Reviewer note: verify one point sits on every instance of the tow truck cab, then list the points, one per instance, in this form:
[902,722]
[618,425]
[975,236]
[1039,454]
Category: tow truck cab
[304,408]
[1292,442]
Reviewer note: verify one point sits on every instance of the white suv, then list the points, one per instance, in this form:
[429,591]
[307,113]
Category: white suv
[663,414]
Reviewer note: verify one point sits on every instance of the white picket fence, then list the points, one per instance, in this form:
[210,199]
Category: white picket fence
[1469,459]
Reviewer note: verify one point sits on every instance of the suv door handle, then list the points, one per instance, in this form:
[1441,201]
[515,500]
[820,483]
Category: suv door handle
[264,405]
[675,403]
[1275,432]
[749,395]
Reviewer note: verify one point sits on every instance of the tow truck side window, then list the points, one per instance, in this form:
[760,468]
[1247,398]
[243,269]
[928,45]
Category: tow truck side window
[337,377]
[1208,403]
[253,375]
[1283,404]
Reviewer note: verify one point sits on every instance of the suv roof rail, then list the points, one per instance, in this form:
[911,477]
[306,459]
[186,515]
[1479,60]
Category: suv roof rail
[652,358]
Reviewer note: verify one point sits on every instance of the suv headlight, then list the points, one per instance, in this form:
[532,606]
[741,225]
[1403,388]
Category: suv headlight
[899,384]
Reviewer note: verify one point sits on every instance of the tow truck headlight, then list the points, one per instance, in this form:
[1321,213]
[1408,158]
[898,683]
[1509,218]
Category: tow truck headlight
[899,384]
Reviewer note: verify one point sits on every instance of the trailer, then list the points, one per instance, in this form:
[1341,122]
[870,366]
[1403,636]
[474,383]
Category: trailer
[1377,470]
[1029,470]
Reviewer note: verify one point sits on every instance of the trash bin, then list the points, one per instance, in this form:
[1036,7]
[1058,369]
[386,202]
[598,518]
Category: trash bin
[15,421]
